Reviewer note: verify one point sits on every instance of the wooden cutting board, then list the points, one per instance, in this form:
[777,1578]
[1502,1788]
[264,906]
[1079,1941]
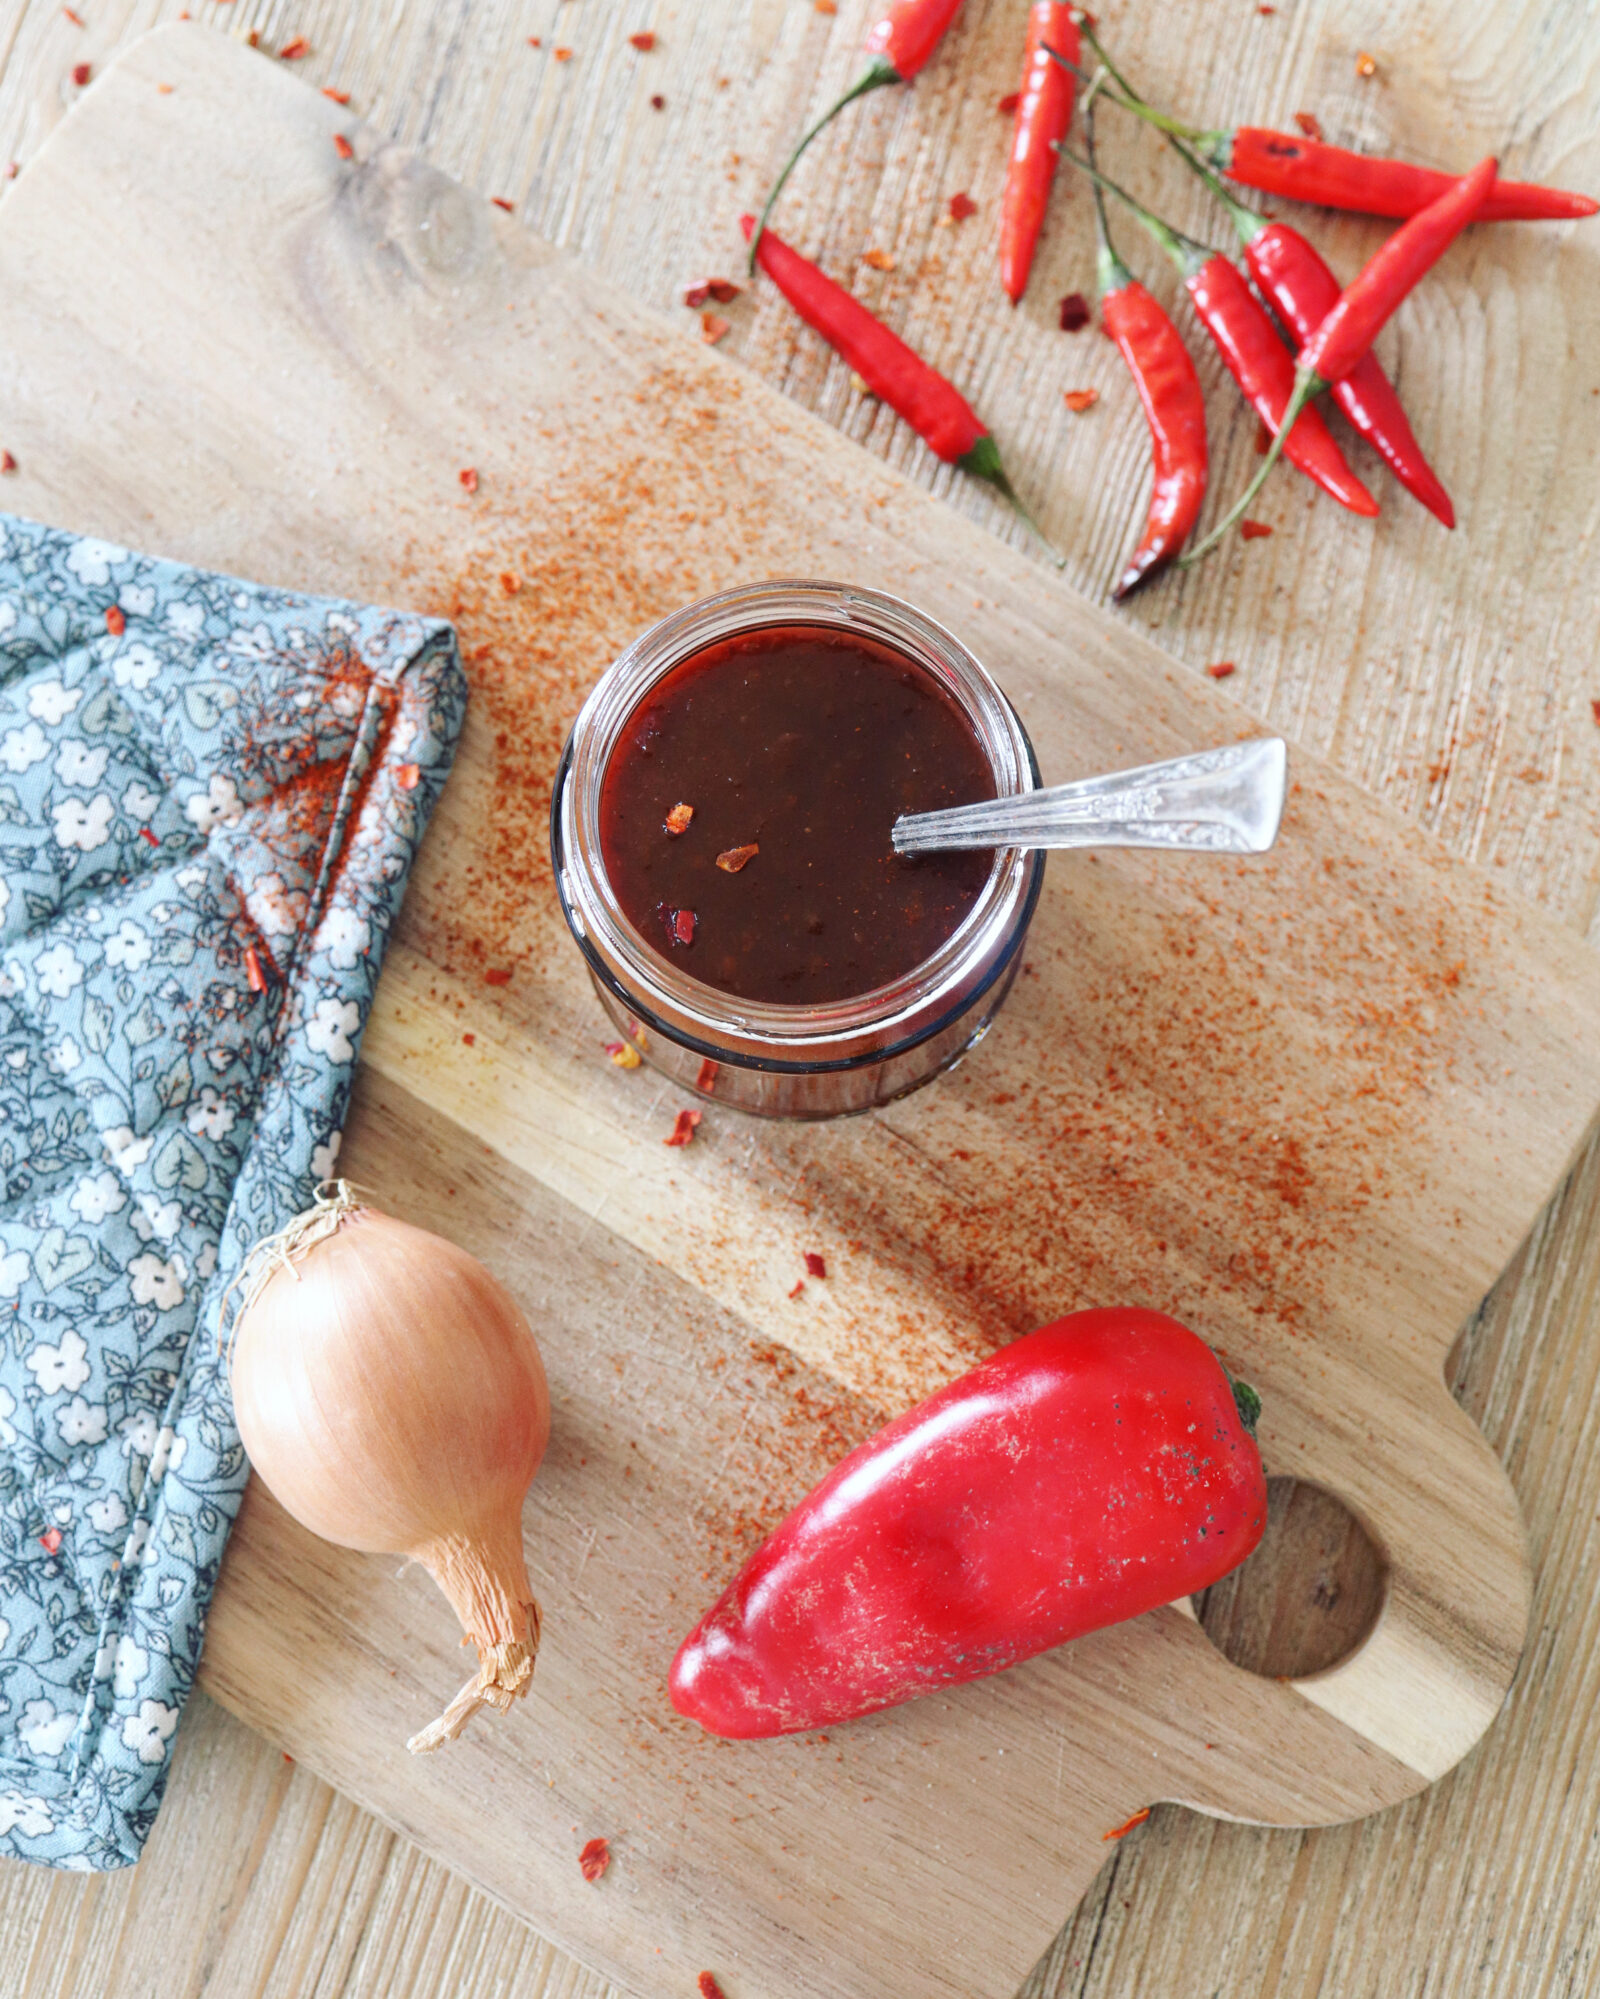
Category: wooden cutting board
[1310,1104]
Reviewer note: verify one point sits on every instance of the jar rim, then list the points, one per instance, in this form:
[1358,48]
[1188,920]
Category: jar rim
[826,1033]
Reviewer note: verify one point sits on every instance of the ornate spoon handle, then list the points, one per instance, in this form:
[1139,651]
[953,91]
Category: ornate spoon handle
[1226,801]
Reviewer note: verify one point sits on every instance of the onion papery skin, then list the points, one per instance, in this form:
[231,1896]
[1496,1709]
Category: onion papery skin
[391,1396]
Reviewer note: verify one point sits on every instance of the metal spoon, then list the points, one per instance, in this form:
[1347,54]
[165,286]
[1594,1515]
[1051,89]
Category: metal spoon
[1226,801]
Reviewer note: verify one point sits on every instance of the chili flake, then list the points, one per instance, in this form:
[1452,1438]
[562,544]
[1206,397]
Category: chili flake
[406,776]
[510,582]
[252,969]
[961,206]
[723,290]
[1366,65]
[116,623]
[1595,705]
[13,168]
[468,475]
[825,6]
[1309,123]
[595,1859]
[1222,669]
[562,55]
[709,1988]
[501,977]
[50,1540]
[683,1126]
[643,43]
[338,96]
[620,1053]
[658,103]
[734,858]
[469,1041]
[712,327]
[797,1287]
[1253,530]
[1009,103]
[1122,1831]
[81,73]
[7,462]
[499,201]
[1079,400]
[534,42]
[1075,313]
[343,147]
[815,1266]
[75,19]
[683,923]
[878,260]
[677,820]
[1266,10]
[148,837]
[708,1074]
[293,51]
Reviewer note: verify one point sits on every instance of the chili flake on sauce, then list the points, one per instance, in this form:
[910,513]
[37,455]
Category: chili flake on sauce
[803,744]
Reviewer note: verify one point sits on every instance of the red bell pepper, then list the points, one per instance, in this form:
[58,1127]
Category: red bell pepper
[1084,1474]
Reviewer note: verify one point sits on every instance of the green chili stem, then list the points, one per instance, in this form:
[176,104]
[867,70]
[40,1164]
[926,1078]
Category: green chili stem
[1184,251]
[1306,385]
[879,72]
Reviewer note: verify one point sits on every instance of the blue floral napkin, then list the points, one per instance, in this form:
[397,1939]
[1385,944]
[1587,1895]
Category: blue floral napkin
[210,796]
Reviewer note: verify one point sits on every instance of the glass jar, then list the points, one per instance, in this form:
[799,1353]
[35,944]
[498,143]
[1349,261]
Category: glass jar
[776,1060]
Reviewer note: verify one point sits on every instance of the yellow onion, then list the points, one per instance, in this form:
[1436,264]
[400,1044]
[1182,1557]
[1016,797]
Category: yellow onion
[390,1394]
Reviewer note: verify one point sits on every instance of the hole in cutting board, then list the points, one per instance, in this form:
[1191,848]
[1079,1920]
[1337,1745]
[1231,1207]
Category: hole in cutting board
[1308,1595]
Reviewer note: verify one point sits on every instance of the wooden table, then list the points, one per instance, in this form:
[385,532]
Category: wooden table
[1453,676]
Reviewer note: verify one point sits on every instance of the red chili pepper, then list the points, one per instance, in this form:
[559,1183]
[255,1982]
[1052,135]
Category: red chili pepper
[1169,389]
[1249,345]
[900,43]
[1303,291]
[1307,170]
[935,409]
[1083,1475]
[1291,273]
[1345,336]
[1044,112]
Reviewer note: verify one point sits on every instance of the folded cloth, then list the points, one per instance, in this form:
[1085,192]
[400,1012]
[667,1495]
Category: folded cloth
[210,796]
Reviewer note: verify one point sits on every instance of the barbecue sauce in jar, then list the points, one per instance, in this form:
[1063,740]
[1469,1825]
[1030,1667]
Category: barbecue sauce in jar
[794,749]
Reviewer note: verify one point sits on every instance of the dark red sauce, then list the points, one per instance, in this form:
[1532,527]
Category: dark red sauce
[807,744]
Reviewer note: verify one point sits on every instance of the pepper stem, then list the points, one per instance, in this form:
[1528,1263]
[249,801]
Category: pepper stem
[1184,251]
[1111,273]
[983,462]
[879,72]
[1215,142]
[1306,385]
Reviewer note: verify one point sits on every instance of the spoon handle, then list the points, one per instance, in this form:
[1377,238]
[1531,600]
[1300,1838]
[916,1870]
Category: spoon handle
[1225,801]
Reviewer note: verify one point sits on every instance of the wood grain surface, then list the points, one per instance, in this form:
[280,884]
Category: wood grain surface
[1569,701]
